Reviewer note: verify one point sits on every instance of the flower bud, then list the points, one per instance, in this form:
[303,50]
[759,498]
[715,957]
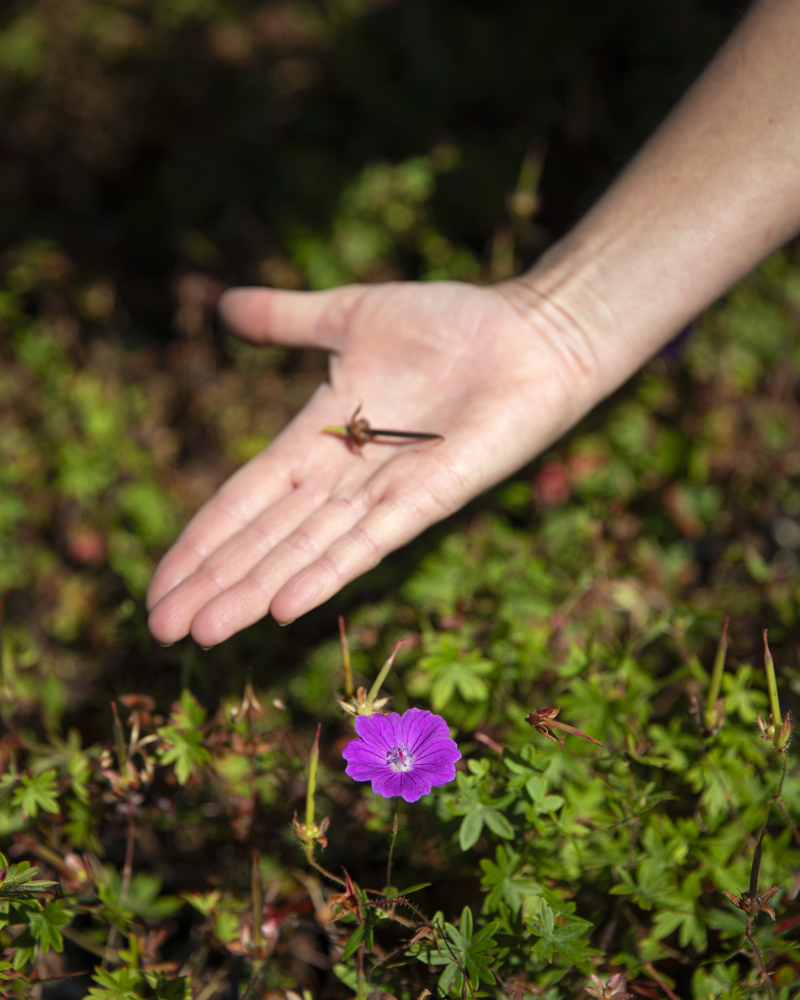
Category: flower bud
[784,735]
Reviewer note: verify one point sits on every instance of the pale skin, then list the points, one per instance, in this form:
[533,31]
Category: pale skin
[501,372]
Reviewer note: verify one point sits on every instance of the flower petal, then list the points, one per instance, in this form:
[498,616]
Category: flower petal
[407,784]
[424,735]
[362,752]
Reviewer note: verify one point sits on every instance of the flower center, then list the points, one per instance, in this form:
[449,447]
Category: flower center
[400,759]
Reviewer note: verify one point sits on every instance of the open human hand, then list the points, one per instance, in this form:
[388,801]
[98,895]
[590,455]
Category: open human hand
[500,372]
[479,366]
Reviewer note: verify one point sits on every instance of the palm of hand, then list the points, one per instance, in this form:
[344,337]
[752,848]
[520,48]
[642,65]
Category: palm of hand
[307,515]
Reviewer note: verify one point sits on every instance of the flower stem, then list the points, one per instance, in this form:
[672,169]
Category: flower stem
[782,810]
[127,868]
[257,902]
[395,828]
[651,969]
[764,976]
[755,868]
[348,673]
[373,691]
[710,716]
[779,794]
[361,990]
[119,740]
[311,790]
[127,873]
[772,685]
[325,872]
[258,907]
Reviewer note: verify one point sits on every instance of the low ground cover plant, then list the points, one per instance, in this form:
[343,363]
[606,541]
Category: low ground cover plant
[623,815]
[545,867]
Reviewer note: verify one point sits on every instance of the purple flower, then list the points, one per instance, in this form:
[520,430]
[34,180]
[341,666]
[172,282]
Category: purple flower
[402,754]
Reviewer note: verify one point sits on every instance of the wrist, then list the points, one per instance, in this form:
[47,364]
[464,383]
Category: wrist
[585,296]
[713,192]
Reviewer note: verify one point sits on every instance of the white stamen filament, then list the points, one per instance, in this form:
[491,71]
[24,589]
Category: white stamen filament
[399,759]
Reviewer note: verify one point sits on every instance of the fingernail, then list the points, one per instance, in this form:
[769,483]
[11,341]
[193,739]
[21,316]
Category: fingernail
[206,648]
[284,624]
[166,645]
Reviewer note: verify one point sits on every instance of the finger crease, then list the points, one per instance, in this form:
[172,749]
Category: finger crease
[236,514]
[362,535]
[302,542]
[326,562]
[205,570]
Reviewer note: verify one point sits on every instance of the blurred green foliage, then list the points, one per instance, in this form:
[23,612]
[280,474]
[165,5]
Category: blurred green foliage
[597,581]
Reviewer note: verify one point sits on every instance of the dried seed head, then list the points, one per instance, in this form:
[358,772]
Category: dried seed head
[753,905]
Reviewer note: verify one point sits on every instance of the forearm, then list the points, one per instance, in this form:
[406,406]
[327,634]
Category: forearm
[713,192]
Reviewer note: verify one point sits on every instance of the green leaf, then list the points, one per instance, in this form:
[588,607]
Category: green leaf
[182,739]
[465,925]
[167,989]
[121,984]
[547,918]
[45,926]
[226,925]
[470,829]
[184,750]
[505,882]
[18,880]
[188,713]
[144,897]
[204,902]
[447,976]
[347,975]
[38,791]
[353,942]
[561,940]
[498,823]
[450,668]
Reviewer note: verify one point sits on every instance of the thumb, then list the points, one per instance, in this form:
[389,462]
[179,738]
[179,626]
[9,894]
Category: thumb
[294,319]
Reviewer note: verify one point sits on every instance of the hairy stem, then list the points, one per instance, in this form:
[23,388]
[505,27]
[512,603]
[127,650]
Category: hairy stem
[127,870]
[782,809]
[761,965]
[373,691]
[651,969]
[755,868]
[325,872]
[258,907]
[127,875]
[395,828]
[348,672]
[772,684]
[312,779]
[709,715]
[361,991]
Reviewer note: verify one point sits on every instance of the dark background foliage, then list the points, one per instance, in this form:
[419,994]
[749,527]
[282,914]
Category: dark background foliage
[150,137]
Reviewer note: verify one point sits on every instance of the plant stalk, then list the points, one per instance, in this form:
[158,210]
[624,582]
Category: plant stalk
[709,715]
[119,740]
[395,828]
[373,691]
[348,672]
[311,790]
[361,990]
[258,908]
[772,685]
[754,946]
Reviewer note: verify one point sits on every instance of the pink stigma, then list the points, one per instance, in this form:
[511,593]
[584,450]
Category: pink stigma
[399,759]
